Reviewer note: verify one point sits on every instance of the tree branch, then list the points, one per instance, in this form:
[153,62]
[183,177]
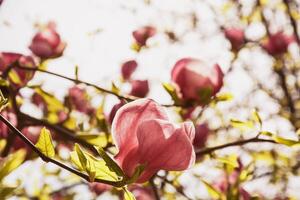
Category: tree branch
[51,160]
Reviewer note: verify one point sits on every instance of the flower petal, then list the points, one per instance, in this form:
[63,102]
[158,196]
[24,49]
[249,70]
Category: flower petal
[126,121]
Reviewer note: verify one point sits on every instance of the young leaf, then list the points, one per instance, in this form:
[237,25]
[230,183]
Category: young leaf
[94,167]
[241,124]
[11,163]
[44,143]
[214,194]
[94,139]
[137,172]
[114,88]
[256,117]
[14,77]
[224,97]
[6,191]
[284,141]
[172,92]
[3,101]
[128,195]
[110,162]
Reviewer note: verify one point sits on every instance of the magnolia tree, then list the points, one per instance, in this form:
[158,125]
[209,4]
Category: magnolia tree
[203,144]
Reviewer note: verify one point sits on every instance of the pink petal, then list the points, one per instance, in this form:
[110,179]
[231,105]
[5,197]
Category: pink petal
[163,146]
[126,121]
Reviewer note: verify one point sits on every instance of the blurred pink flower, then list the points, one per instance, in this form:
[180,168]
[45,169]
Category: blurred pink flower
[99,188]
[114,110]
[78,99]
[277,43]
[142,34]
[7,59]
[12,118]
[139,88]
[144,136]
[201,135]
[47,43]
[32,133]
[193,76]
[236,37]
[128,68]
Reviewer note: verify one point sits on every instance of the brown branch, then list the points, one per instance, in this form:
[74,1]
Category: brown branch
[125,97]
[51,160]
[209,150]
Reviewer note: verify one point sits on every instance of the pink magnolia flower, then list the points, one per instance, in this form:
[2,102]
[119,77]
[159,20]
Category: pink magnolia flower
[23,76]
[201,135]
[278,43]
[32,133]
[47,43]
[236,37]
[143,34]
[139,88]
[99,188]
[78,99]
[114,110]
[194,76]
[128,68]
[144,135]
[10,116]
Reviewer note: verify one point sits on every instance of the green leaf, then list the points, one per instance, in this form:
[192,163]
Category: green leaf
[213,193]
[223,97]
[256,117]
[14,77]
[137,172]
[172,92]
[94,139]
[44,143]
[110,162]
[241,124]
[128,195]
[267,133]
[53,104]
[114,88]
[284,141]
[96,168]
[3,101]
[76,72]
[11,163]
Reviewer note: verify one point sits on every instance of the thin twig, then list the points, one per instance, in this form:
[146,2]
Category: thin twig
[51,160]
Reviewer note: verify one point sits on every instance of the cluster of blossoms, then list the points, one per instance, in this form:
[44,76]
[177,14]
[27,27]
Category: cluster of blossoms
[141,130]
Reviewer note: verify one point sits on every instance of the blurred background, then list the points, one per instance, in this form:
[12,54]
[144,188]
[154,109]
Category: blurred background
[99,39]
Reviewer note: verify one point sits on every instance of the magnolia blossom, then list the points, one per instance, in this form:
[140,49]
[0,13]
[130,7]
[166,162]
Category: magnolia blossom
[197,80]
[114,110]
[139,88]
[143,34]
[32,133]
[236,37]
[128,68]
[18,77]
[99,188]
[144,136]
[10,116]
[47,43]
[201,135]
[78,99]
[277,43]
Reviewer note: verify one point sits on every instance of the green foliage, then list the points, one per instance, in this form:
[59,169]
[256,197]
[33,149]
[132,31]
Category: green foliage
[44,143]
[3,101]
[213,193]
[11,162]
[112,165]
[127,194]
[172,92]
[96,168]
[243,125]
[94,139]
[6,191]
